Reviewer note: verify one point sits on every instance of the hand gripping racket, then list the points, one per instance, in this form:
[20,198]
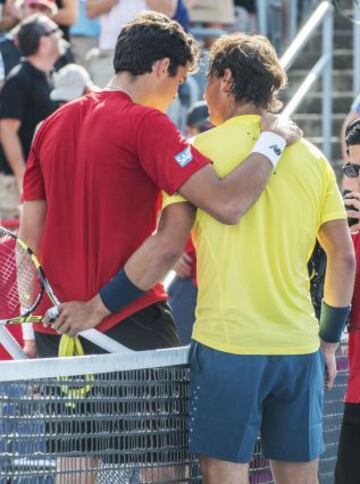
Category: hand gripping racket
[22,286]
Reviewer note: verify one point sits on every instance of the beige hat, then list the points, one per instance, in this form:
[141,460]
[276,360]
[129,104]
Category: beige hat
[70,83]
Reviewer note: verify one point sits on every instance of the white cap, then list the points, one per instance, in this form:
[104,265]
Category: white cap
[70,83]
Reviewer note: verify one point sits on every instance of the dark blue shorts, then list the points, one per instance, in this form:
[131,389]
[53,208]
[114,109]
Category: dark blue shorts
[236,397]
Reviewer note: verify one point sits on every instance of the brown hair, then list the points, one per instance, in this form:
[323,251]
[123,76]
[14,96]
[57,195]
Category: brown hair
[256,72]
[152,36]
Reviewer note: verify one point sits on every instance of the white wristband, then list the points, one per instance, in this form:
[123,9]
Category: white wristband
[271,145]
[27,331]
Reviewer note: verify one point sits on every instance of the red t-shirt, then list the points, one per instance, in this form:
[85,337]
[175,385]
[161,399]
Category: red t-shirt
[100,163]
[353,389]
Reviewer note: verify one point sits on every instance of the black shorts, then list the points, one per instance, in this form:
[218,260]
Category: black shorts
[102,423]
[347,469]
[149,329]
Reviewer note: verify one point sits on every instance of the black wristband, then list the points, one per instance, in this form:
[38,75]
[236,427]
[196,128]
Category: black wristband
[119,292]
[332,322]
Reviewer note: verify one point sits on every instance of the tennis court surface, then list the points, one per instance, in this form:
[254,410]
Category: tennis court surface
[115,419]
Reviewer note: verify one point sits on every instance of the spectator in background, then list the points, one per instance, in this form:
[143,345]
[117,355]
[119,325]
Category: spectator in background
[66,15]
[351,116]
[212,14]
[9,49]
[84,34]
[113,15]
[183,290]
[347,466]
[25,101]
[71,82]
[181,15]
[245,16]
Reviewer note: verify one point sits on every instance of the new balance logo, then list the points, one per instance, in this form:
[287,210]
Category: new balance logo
[275,149]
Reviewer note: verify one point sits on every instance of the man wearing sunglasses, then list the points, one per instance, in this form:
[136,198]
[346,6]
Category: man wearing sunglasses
[25,101]
[347,467]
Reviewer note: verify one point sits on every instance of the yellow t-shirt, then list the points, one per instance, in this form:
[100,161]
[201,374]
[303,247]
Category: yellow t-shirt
[253,279]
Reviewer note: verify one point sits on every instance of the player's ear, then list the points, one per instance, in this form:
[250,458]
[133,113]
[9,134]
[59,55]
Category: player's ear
[161,67]
[227,81]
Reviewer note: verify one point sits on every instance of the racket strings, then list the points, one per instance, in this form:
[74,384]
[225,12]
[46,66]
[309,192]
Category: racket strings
[19,279]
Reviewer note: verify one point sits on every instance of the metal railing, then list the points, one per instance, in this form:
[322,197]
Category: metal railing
[356,43]
[279,20]
[323,16]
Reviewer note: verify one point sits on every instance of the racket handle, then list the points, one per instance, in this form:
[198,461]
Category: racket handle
[53,313]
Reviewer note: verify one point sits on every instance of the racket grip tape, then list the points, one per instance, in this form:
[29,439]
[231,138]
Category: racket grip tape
[53,313]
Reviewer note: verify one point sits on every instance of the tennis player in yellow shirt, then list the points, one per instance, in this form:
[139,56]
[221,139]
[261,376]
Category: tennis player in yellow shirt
[255,359]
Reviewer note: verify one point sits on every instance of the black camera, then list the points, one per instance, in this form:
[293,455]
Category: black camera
[351,220]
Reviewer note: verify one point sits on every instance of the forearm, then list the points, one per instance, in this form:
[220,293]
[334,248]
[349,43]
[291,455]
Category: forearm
[13,152]
[8,22]
[66,16]
[151,262]
[339,279]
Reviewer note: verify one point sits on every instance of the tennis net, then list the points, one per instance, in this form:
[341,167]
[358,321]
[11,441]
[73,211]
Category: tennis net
[119,418]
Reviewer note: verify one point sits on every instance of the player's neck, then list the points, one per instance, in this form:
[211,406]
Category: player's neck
[242,109]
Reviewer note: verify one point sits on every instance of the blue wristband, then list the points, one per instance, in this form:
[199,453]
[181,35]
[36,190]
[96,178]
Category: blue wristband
[332,322]
[119,292]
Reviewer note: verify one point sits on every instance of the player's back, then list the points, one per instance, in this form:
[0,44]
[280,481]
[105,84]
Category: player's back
[101,202]
[253,279]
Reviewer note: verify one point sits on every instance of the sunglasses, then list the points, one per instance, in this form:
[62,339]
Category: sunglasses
[351,170]
[50,32]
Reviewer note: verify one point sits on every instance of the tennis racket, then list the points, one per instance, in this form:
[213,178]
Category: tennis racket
[23,284]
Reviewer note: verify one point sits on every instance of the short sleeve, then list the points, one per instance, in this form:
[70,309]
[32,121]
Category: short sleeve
[356,105]
[14,99]
[33,187]
[333,207]
[164,154]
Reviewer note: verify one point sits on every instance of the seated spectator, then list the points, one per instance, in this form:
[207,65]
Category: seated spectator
[113,14]
[197,120]
[25,101]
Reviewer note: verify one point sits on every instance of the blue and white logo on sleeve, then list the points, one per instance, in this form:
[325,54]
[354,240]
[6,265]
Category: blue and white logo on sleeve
[184,157]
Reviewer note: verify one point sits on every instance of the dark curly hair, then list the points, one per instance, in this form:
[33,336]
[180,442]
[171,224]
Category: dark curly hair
[256,72]
[152,36]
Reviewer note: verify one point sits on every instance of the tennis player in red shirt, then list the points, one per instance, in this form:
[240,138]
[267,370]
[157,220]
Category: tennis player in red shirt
[347,466]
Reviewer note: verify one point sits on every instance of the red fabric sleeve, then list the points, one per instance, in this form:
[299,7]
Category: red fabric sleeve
[33,187]
[165,155]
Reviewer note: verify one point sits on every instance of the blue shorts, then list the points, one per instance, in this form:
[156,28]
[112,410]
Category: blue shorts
[236,397]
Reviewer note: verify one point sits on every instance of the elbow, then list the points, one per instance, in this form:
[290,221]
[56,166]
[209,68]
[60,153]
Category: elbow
[347,261]
[229,214]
